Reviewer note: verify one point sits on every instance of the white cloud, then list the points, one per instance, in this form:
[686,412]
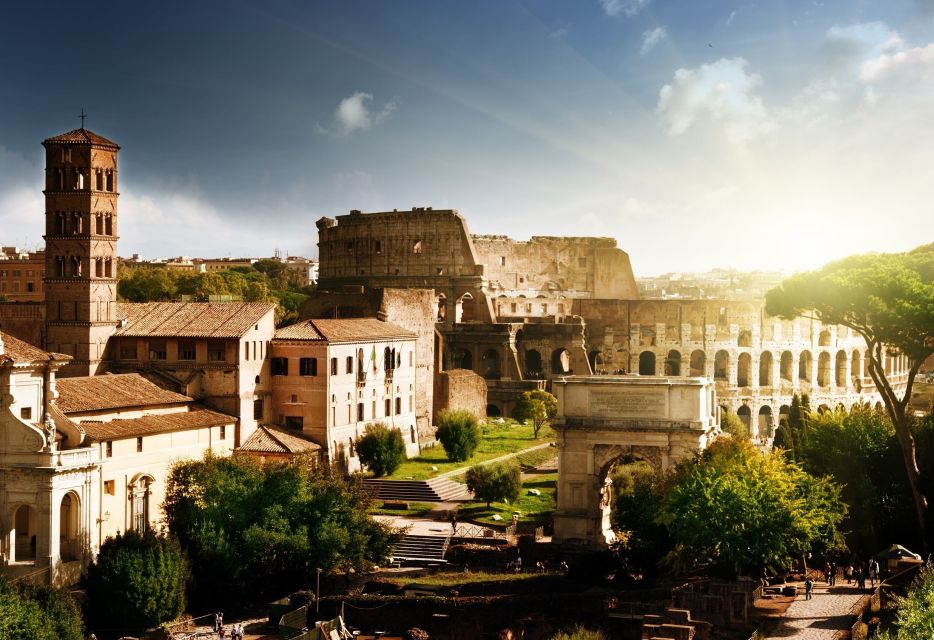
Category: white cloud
[624,7]
[354,114]
[730,18]
[912,65]
[652,38]
[847,47]
[721,91]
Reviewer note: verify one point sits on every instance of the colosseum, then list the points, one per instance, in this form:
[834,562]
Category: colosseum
[521,313]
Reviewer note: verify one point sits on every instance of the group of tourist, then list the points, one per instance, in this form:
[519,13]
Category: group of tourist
[853,572]
[236,631]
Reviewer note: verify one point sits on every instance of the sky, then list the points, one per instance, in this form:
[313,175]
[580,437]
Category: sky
[772,135]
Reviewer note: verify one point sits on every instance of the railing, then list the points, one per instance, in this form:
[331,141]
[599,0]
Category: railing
[479,531]
[34,577]
[188,629]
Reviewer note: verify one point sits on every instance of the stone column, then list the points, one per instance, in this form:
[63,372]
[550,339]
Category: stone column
[795,365]
[754,369]
[832,370]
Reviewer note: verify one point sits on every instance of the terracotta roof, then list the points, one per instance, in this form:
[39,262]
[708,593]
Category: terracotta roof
[345,330]
[96,393]
[81,136]
[155,423]
[191,319]
[267,439]
[15,350]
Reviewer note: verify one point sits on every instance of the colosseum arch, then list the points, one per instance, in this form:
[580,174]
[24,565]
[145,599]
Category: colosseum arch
[466,311]
[647,363]
[745,414]
[765,421]
[765,369]
[491,364]
[805,363]
[823,369]
[673,363]
[698,363]
[787,366]
[856,367]
[721,365]
[743,370]
[841,368]
[560,361]
[533,362]
[463,359]
[442,307]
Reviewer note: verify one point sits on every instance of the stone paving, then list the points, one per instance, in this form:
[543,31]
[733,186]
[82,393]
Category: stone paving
[822,617]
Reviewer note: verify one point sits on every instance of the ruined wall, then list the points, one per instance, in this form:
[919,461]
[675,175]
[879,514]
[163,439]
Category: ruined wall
[24,320]
[460,389]
[575,266]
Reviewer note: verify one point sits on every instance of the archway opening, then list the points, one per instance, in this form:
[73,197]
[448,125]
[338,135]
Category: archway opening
[533,363]
[673,363]
[856,369]
[560,361]
[619,481]
[840,369]
[491,365]
[463,359]
[745,414]
[765,369]
[721,365]
[766,428]
[698,364]
[24,535]
[442,307]
[646,363]
[465,309]
[69,512]
[597,362]
[823,369]
[786,366]
[743,370]
[493,411]
[823,340]
[804,366]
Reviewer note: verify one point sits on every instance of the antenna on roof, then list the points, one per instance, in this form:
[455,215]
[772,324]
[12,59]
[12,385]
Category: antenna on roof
[82,116]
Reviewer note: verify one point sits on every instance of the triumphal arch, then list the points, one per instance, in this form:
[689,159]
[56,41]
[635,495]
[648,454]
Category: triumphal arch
[605,419]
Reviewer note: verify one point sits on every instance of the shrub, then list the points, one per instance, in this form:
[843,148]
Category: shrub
[914,618]
[494,482]
[38,613]
[138,581]
[459,434]
[381,449]
[734,425]
[579,632]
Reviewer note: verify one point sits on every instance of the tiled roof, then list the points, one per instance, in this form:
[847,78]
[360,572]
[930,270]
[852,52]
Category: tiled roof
[190,319]
[16,350]
[344,330]
[155,423]
[96,393]
[267,439]
[82,136]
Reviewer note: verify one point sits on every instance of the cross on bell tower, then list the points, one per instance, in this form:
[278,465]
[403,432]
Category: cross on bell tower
[80,247]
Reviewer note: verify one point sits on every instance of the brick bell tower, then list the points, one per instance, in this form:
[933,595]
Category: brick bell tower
[80,248]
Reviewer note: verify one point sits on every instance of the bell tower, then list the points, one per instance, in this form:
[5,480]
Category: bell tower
[80,248]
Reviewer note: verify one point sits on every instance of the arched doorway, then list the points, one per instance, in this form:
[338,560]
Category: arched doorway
[560,361]
[856,369]
[765,421]
[804,366]
[646,363]
[68,526]
[491,364]
[721,365]
[465,309]
[139,502]
[463,359]
[743,370]
[840,372]
[765,369]
[533,363]
[823,369]
[745,414]
[673,363]
[787,366]
[698,364]
[442,307]
[596,362]
[493,411]
[24,534]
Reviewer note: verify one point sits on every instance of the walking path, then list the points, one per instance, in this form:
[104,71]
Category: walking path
[462,470]
[823,617]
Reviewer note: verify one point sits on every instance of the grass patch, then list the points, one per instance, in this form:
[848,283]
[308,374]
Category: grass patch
[457,579]
[415,510]
[533,510]
[498,440]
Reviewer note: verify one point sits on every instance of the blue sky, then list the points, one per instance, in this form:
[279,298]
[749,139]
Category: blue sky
[771,135]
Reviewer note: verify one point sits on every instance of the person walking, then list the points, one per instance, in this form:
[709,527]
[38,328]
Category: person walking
[833,574]
[873,572]
[808,588]
[827,573]
[849,573]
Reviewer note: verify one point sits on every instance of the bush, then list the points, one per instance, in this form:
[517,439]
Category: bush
[734,425]
[914,618]
[137,582]
[38,613]
[494,482]
[381,449]
[459,434]
[579,632]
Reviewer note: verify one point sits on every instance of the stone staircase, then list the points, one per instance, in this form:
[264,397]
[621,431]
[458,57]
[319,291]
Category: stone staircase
[436,490]
[418,549]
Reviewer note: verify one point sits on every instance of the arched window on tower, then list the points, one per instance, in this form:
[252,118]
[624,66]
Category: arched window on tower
[98,267]
[60,267]
[99,219]
[99,177]
[109,225]
[110,180]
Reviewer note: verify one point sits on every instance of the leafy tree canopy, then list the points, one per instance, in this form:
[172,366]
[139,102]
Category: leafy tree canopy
[537,407]
[914,618]
[495,482]
[744,510]
[137,581]
[255,530]
[381,449]
[459,434]
[38,613]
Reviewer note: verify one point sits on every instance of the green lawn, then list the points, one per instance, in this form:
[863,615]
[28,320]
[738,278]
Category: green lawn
[415,510]
[498,440]
[533,510]
[459,578]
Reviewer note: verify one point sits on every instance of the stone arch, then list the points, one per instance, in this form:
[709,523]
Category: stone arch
[647,363]
[493,411]
[823,408]
[783,412]
[856,368]
[721,365]
[786,366]
[840,368]
[765,369]
[69,528]
[743,370]
[805,363]
[823,369]
[560,361]
[698,363]
[466,310]
[442,312]
[140,508]
[673,363]
[766,427]
[745,414]
[533,362]
[24,533]
[823,340]
[492,369]
[463,359]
